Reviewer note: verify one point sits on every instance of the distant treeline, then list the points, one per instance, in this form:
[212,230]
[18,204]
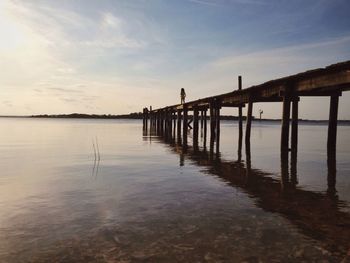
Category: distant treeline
[135,115]
[139,115]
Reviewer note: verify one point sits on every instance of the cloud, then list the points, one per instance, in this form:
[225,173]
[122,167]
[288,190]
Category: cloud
[66,90]
[223,3]
[110,21]
[114,42]
[7,103]
[203,2]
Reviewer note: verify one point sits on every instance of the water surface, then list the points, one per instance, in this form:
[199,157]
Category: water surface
[149,199]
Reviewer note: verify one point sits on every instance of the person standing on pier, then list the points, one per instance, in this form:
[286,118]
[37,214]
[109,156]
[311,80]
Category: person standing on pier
[183,95]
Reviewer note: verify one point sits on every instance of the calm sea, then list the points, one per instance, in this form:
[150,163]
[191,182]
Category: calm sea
[104,191]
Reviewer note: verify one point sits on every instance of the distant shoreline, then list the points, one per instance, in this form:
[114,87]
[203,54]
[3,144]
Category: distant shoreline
[137,116]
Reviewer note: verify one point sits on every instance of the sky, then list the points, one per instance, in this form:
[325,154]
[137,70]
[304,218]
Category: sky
[118,56]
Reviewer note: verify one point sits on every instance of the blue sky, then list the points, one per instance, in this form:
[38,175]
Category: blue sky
[119,56]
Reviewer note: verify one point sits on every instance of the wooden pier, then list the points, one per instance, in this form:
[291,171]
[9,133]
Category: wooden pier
[330,81]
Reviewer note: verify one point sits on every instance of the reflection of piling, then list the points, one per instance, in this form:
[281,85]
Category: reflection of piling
[248,159]
[332,172]
[284,170]
[303,208]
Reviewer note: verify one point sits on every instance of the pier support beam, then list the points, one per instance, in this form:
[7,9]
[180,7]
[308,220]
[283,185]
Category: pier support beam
[249,122]
[285,124]
[332,126]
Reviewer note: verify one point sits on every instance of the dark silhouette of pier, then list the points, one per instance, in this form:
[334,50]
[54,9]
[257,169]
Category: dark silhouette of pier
[330,81]
[316,214]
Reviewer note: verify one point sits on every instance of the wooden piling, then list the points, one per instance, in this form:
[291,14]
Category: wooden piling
[161,118]
[240,121]
[202,119]
[285,124]
[332,125]
[294,135]
[294,143]
[195,123]
[166,123]
[249,122]
[170,121]
[217,124]
[174,123]
[212,120]
[185,124]
[205,128]
[179,123]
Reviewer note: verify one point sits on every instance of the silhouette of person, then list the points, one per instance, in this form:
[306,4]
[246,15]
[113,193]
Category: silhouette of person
[183,95]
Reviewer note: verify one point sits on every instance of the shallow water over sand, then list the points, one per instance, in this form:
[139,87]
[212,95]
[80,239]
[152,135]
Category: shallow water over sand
[148,199]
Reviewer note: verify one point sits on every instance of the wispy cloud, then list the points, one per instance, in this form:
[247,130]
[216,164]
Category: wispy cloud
[203,2]
[223,2]
[66,90]
[7,103]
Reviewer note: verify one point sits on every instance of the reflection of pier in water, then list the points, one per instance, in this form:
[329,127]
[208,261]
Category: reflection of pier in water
[318,215]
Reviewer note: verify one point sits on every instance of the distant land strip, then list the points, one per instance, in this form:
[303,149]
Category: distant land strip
[139,115]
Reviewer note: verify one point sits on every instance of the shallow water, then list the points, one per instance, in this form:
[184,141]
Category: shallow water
[147,199]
